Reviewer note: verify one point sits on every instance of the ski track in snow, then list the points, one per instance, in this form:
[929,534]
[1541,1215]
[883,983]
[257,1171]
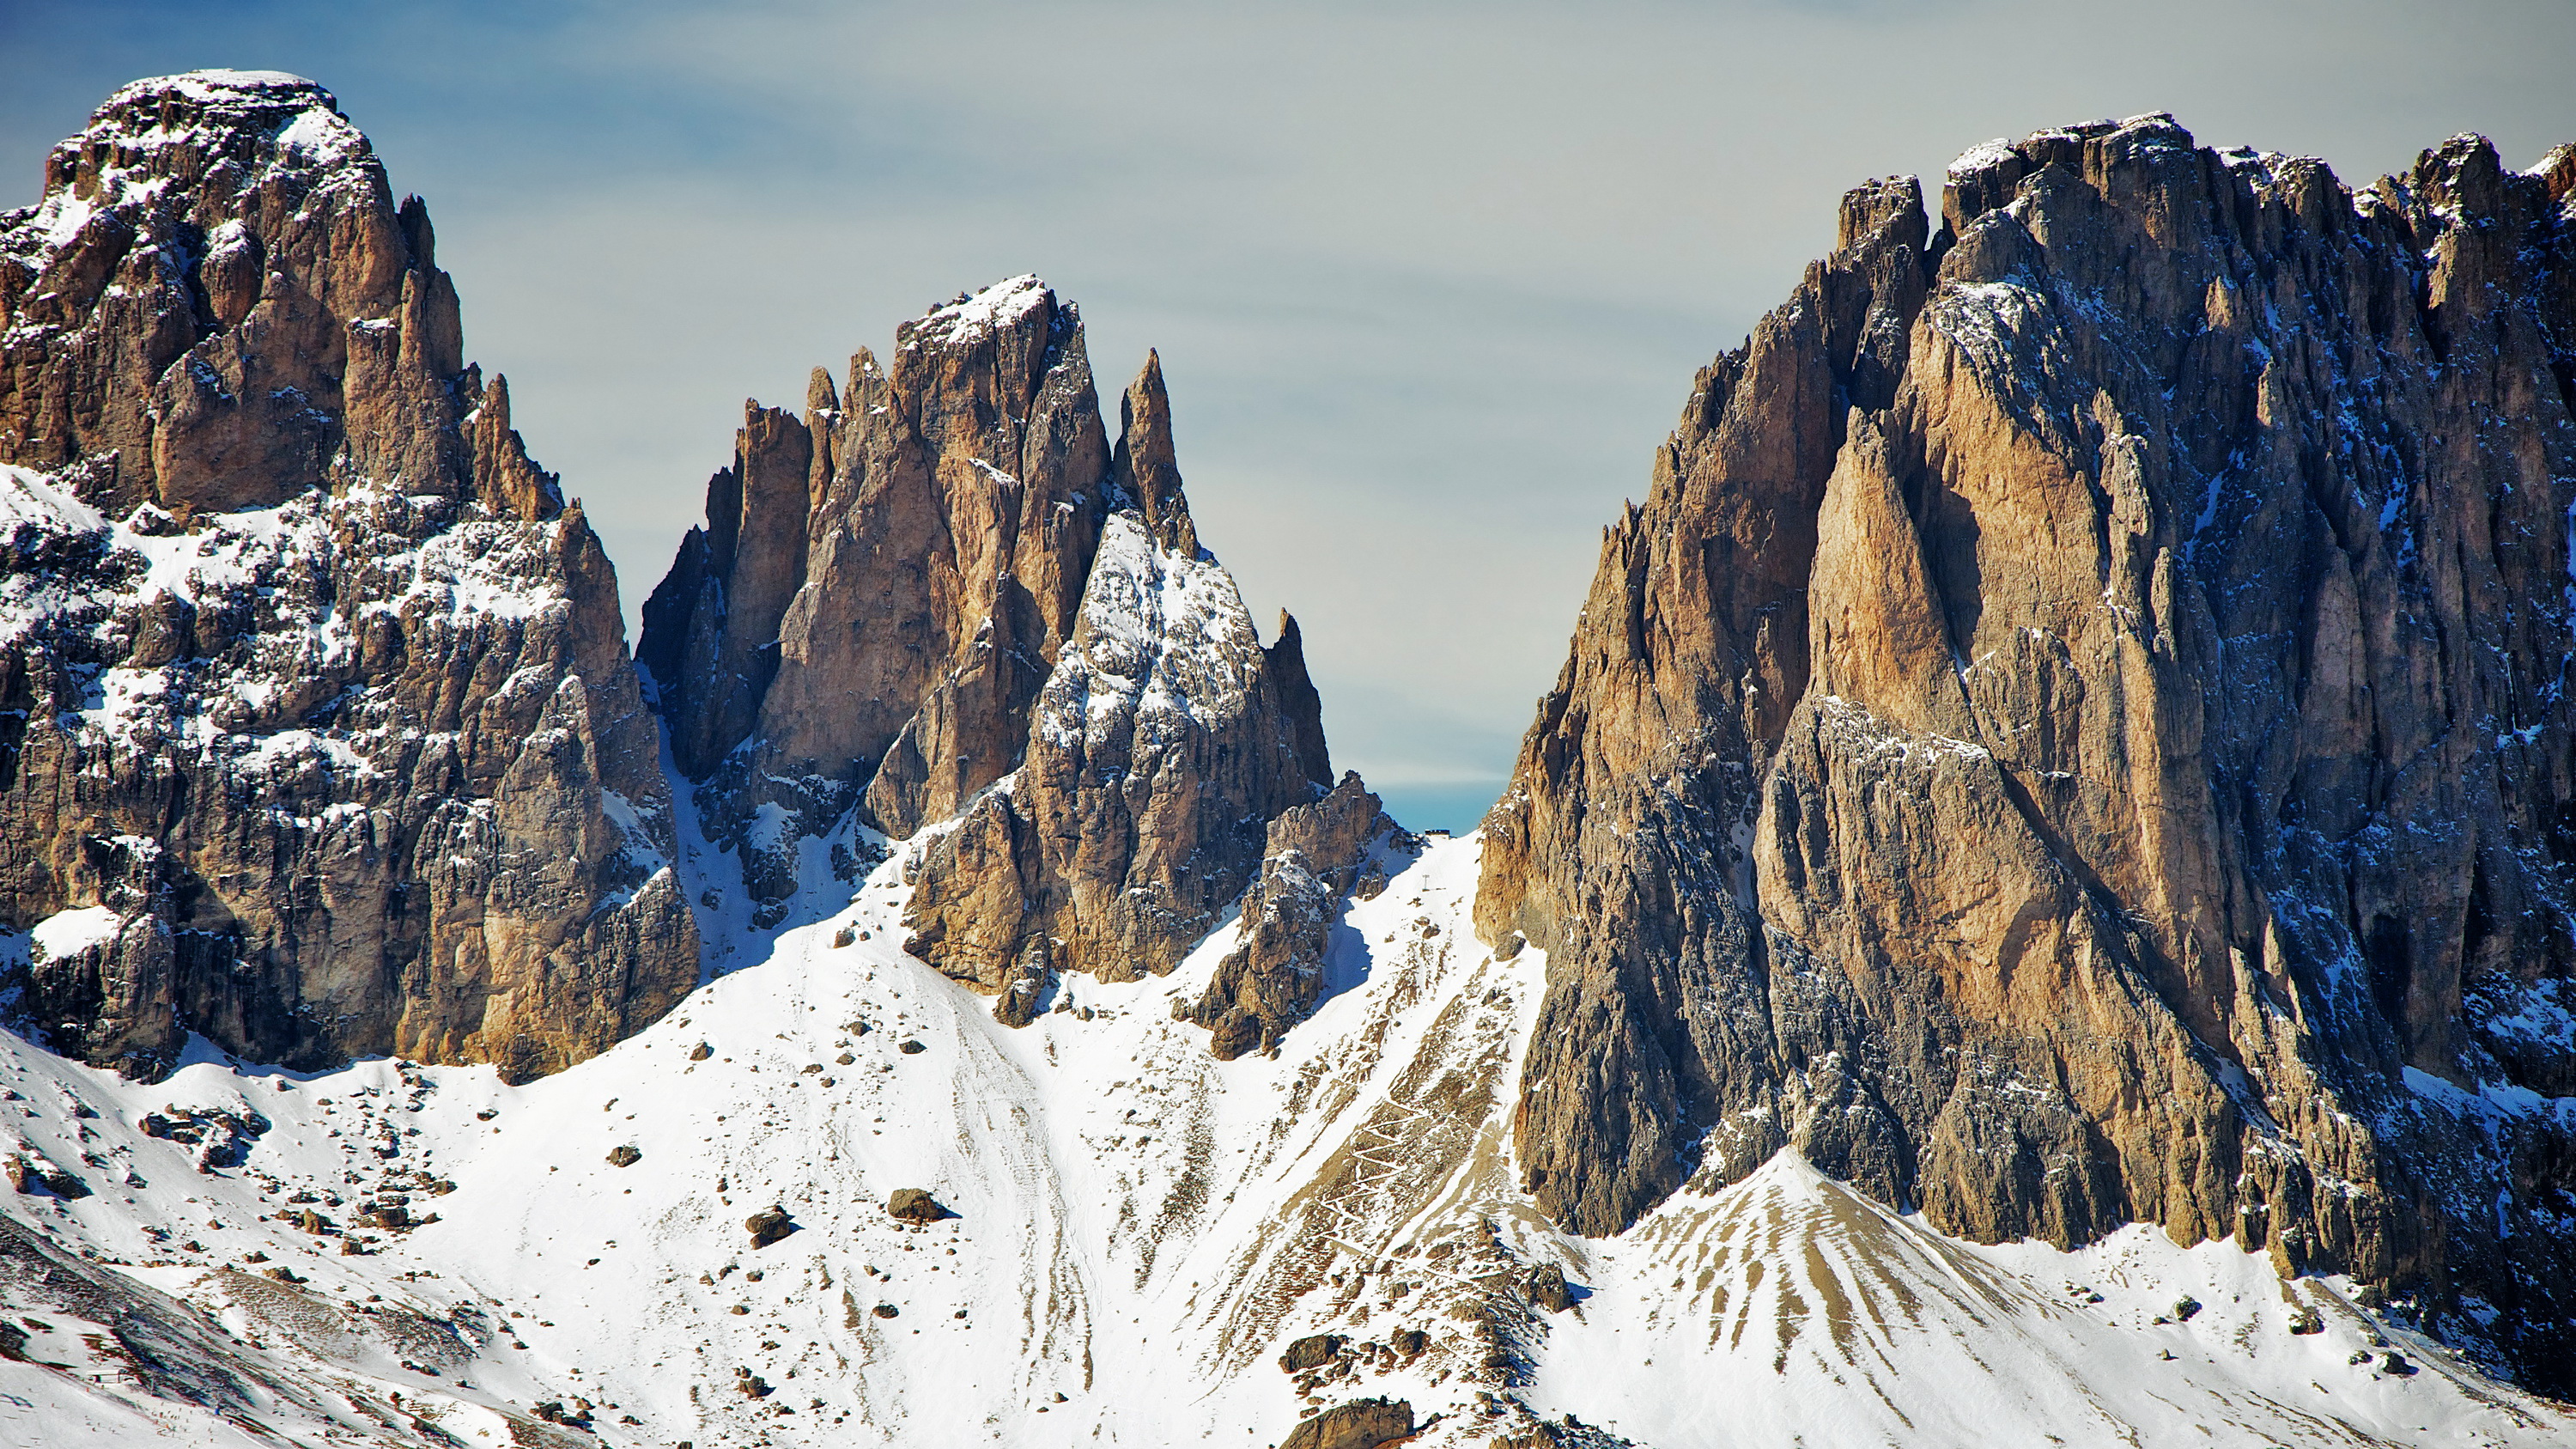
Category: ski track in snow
[1140,1230]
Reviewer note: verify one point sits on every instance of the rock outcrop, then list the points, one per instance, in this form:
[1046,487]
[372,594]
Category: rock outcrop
[318,734]
[1318,857]
[969,603]
[2077,732]
[1359,1424]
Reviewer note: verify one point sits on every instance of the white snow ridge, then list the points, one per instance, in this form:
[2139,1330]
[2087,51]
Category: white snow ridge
[1139,1232]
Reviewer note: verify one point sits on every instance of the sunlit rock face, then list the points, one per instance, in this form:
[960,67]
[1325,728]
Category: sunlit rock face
[2077,731]
[945,598]
[316,718]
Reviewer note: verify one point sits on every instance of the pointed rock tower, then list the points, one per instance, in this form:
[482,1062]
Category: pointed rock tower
[946,596]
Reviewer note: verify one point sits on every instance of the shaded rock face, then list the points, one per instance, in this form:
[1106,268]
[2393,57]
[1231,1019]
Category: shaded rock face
[992,613]
[1158,751]
[1317,857]
[2077,731]
[317,730]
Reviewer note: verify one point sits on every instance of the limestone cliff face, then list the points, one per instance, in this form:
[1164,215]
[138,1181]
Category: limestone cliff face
[1339,848]
[2078,731]
[317,730]
[970,607]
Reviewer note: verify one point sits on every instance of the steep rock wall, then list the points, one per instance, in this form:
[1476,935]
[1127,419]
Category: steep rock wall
[986,614]
[316,717]
[2077,731]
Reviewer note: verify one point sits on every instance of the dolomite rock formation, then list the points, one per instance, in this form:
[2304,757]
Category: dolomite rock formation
[945,593]
[2077,732]
[317,730]
[1318,856]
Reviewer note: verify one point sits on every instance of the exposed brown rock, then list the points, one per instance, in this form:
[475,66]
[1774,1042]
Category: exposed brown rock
[916,1205]
[769,1225]
[308,674]
[1145,470]
[1548,1289]
[753,552]
[994,615]
[1156,754]
[1318,856]
[31,1173]
[1359,1424]
[2077,719]
[1311,1352]
[941,565]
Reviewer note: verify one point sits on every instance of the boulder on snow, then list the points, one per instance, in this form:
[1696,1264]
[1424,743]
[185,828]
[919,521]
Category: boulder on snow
[624,1156]
[33,1174]
[222,1138]
[916,1205]
[1359,1424]
[1548,1288]
[768,1226]
[1311,1352]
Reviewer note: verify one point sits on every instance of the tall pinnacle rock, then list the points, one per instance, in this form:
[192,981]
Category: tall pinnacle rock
[988,610]
[317,730]
[2077,732]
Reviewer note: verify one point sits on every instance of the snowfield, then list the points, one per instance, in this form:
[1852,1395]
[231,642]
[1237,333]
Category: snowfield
[1139,1232]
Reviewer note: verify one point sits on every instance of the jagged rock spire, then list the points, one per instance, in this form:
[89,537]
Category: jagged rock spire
[1144,465]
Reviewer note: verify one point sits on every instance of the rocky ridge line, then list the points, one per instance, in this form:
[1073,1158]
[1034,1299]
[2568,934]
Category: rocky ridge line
[2077,732]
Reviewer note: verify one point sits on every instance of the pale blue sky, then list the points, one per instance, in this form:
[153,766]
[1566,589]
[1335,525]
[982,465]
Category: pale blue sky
[1430,281]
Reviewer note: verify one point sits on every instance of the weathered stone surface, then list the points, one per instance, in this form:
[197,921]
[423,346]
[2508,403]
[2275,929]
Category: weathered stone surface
[743,567]
[307,676]
[916,1205]
[1156,754]
[2075,732]
[1548,1289]
[769,1225]
[995,614]
[946,509]
[1359,1424]
[1317,857]
[1311,1352]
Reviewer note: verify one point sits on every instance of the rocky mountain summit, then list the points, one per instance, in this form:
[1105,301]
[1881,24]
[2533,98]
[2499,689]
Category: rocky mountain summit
[943,606]
[2078,732]
[2036,912]
[318,734]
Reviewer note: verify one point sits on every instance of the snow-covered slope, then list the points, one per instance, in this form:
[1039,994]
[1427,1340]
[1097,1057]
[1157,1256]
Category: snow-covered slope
[1140,1232]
